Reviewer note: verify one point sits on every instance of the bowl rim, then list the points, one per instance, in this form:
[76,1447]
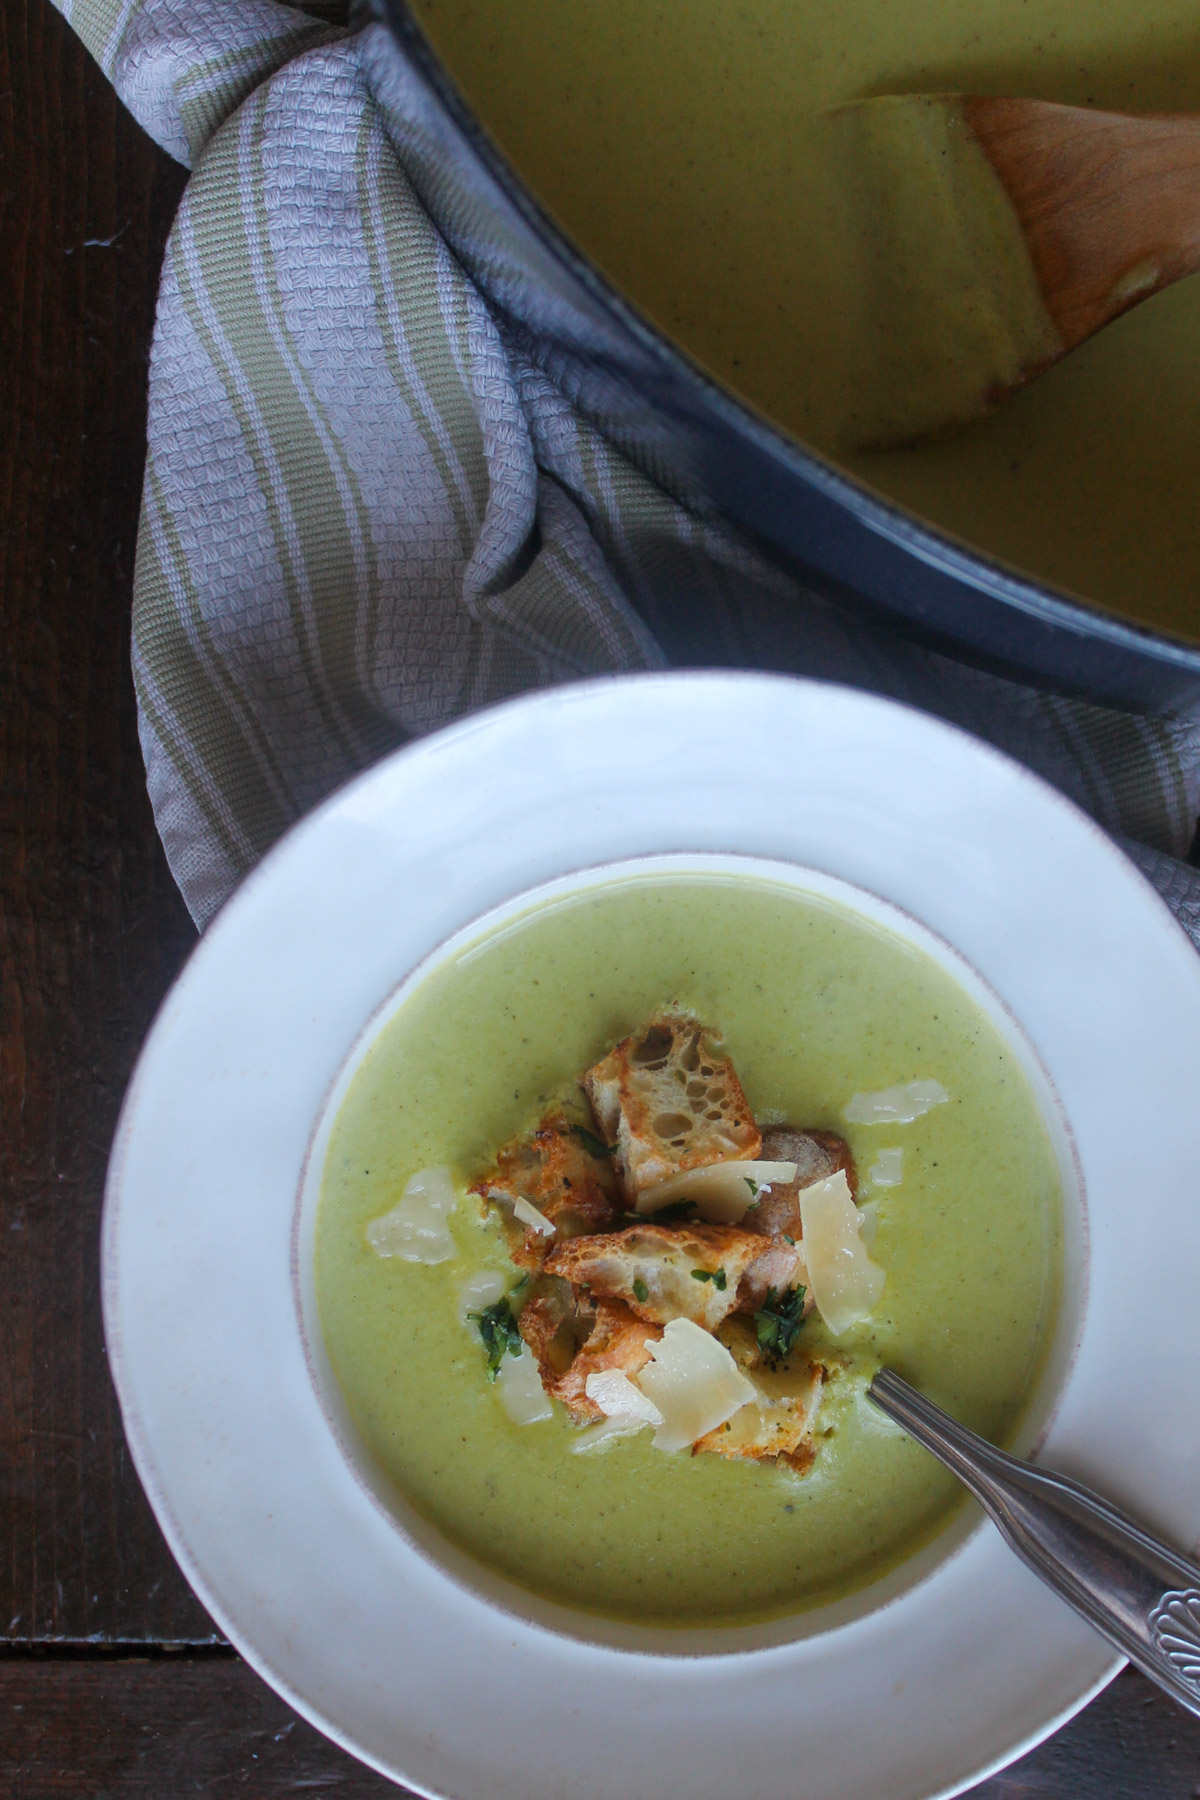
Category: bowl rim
[817,734]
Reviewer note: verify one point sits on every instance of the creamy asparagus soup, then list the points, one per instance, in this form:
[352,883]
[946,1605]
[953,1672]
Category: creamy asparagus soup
[677,144]
[624,1205]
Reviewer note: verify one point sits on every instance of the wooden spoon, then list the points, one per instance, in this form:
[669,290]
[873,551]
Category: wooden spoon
[1107,205]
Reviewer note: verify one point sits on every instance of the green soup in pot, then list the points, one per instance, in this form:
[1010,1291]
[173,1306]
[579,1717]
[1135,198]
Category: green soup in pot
[675,143]
[814,1003]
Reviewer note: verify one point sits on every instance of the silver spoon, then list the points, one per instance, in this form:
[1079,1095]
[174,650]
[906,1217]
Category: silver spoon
[1139,1594]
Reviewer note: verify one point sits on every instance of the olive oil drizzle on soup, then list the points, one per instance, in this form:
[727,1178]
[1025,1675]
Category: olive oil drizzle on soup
[814,1004]
[674,143]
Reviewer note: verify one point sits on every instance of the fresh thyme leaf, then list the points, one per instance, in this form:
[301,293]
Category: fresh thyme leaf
[640,1290]
[777,1324]
[718,1278]
[591,1142]
[499,1331]
[701,1275]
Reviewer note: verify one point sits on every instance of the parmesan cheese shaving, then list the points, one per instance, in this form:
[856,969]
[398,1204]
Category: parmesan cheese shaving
[597,1437]
[846,1284]
[621,1402]
[896,1105]
[528,1214]
[888,1169]
[723,1191]
[477,1294]
[694,1383]
[415,1229]
[520,1387]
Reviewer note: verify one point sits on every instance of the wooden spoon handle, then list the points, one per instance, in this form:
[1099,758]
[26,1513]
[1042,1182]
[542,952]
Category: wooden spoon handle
[1109,203]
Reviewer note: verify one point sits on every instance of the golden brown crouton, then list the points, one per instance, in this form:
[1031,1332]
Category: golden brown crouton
[555,1322]
[663,1272]
[779,1423]
[554,1170]
[669,1101]
[780,1267]
[816,1155]
[618,1340]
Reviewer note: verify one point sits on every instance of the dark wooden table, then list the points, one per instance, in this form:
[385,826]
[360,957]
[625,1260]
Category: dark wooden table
[114,1684]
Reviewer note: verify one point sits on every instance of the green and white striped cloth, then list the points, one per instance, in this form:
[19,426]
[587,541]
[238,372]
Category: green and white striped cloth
[367,510]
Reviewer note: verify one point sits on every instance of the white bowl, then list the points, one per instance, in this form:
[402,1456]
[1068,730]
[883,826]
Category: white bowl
[398,1647]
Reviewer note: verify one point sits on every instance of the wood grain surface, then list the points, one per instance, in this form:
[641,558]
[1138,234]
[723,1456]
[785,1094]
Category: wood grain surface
[91,927]
[91,933]
[126,1730]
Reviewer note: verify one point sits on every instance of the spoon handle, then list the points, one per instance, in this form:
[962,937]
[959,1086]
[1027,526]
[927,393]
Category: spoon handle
[1139,1594]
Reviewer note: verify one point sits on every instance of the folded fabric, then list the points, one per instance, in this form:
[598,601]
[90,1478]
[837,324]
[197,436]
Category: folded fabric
[368,510]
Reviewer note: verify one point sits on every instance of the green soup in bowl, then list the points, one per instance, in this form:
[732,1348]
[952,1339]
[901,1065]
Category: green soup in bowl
[815,1001]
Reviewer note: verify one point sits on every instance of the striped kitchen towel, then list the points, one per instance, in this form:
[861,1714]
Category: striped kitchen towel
[367,510]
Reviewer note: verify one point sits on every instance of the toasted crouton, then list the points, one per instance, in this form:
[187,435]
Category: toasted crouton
[668,1101]
[776,1426]
[816,1154]
[554,1171]
[555,1322]
[663,1272]
[779,1423]
[780,1267]
[618,1340]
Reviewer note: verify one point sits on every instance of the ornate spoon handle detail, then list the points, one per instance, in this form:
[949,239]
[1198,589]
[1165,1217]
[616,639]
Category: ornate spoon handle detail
[1139,1594]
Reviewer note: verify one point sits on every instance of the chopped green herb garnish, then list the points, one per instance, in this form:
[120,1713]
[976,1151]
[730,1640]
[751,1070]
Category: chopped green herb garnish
[777,1323]
[498,1329]
[640,1290]
[753,1186]
[716,1276]
[596,1146]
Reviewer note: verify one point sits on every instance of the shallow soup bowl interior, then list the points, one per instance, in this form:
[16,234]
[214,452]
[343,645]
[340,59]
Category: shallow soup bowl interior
[912,1568]
[369,1622]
